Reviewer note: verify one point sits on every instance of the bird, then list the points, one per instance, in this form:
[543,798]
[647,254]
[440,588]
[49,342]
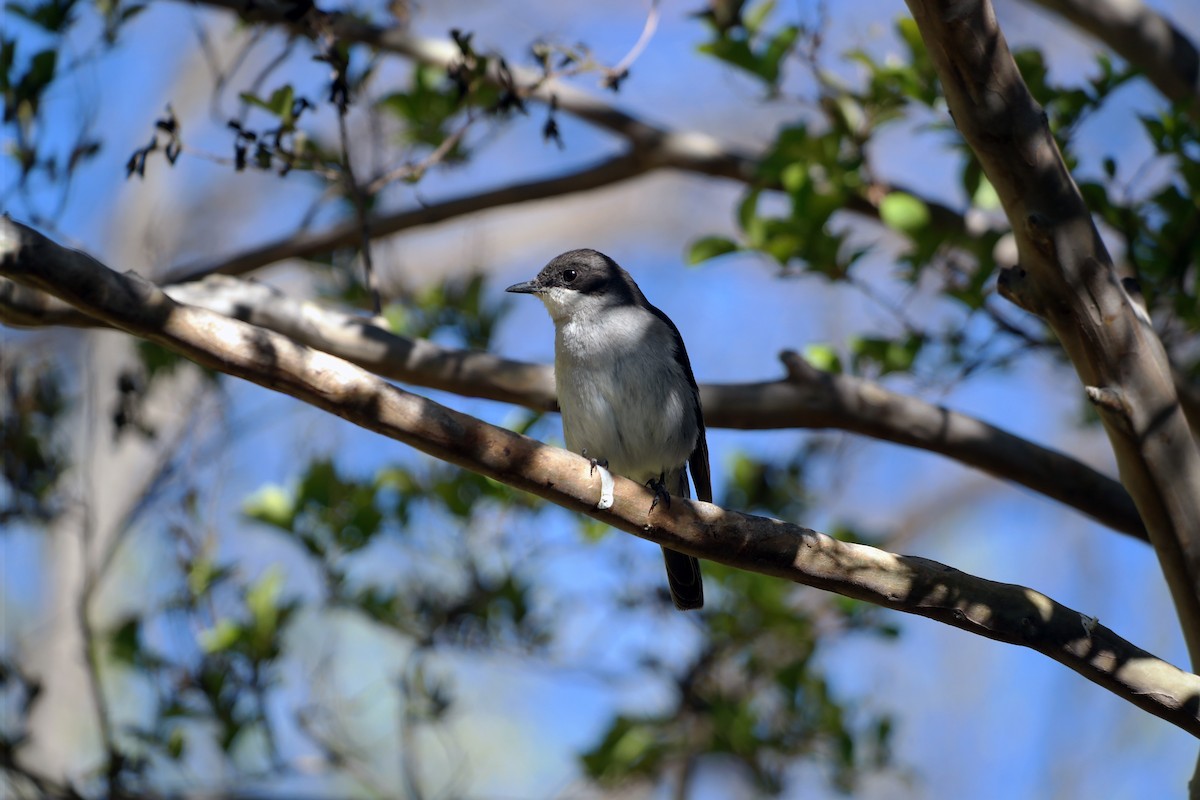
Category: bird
[626,391]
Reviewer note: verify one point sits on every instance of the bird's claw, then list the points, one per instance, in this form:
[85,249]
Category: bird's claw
[659,488]
[596,462]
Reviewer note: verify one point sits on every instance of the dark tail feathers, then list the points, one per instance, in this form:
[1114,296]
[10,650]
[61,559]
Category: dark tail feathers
[683,575]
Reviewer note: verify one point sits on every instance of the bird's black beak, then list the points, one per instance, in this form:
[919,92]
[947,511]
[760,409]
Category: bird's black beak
[524,287]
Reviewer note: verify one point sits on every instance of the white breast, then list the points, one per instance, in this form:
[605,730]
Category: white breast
[636,412]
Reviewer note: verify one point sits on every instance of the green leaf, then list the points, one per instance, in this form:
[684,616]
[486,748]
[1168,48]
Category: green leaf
[755,17]
[592,530]
[426,108]
[630,747]
[903,212]
[985,197]
[8,56]
[175,743]
[888,355]
[710,247]
[38,76]
[271,505]
[222,636]
[775,488]
[280,103]
[52,16]
[823,357]
[733,51]
[795,177]
[262,600]
[129,12]
[782,243]
[156,359]
[262,596]
[911,34]
[748,209]
[126,641]
[972,174]
[397,318]
[776,51]
[203,574]
[851,114]
[733,47]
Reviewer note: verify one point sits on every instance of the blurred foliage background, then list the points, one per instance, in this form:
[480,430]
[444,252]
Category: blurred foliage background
[208,589]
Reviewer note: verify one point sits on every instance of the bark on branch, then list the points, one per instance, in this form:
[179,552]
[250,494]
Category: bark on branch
[805,398]
[1144,38]
[1068,276]
[1005,612]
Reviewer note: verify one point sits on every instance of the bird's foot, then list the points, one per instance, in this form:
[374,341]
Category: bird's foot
[659,488]
[606,481]
[602,463]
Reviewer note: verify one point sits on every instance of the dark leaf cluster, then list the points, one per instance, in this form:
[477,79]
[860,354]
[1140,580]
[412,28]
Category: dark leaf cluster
[276,147]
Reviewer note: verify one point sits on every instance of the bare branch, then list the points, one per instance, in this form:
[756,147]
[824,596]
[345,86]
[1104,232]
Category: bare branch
[845,402]
[1004,612]
[357,192]
[690,146]
[1144,38]
[650,148]
[1068,276]
[618,73]
[806,398]
[346,234]
[692,151]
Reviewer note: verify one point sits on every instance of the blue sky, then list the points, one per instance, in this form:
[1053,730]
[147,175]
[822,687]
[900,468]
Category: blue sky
[977,718]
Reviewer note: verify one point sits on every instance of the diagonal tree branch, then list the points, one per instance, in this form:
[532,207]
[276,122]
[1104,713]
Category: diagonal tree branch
[1067,276]
[611,171]
[1144,38]
[1004,612]
[347,234]
[806,398]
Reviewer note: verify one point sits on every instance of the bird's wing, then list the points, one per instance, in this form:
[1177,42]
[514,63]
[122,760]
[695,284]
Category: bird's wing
[698,460]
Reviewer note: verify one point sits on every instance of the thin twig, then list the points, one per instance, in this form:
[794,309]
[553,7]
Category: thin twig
[91,650]
[618,73]
[411,171]
[364,220]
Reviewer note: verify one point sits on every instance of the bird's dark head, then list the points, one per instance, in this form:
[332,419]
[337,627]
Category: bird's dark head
[581,280]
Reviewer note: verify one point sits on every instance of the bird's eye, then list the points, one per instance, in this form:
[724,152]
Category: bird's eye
[569,275]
